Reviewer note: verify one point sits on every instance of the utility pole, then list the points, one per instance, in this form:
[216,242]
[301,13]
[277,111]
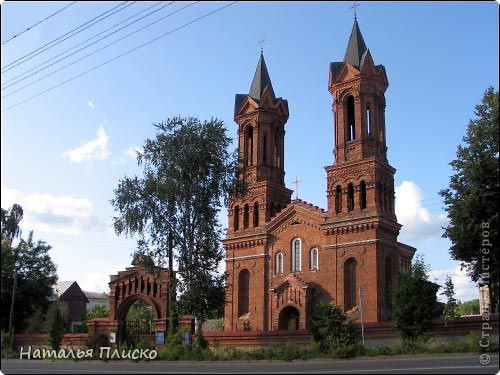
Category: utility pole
[361,294]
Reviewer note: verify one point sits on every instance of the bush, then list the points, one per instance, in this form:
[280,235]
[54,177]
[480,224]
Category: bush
[332,331]
[55,324]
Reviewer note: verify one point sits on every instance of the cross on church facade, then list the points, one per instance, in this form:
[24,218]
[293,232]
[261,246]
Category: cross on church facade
[296,183]
[261,42]
[354,7]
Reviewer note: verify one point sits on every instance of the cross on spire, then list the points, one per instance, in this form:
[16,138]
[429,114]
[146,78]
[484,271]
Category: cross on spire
[296,183]
[261,42]
[355,5]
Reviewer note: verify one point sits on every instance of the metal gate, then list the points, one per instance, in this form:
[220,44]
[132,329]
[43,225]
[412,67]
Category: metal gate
[130,331]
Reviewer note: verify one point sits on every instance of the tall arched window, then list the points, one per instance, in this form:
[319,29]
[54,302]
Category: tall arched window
[350,267]
[314,259]
[362,195]
[388,283]
[243,292]
[351,122]
[236,218]
[350,197]
[368,122]
[276,149]
[296,255]
[249,146]
[245,216]
[264,146]
[255,214]
[338,199]
[279,262]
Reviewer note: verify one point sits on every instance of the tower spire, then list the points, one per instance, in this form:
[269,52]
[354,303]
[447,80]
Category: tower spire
[356,47]
[261,80]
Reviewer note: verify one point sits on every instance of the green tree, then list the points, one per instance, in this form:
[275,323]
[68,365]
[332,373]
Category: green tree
[10,229]
[99,311]
[36,274]
[55,324]
[471,200]
[332,330]
[188,172]
[450,309]
[468,307]
[414,301]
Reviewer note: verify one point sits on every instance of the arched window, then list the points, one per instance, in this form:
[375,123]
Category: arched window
[279,262]
[264,151]
[236,218]
[243,292]
[255,214]
[350,267]
[296,255]
[368,122]
[338,199]
[276,149]
[381,195]
[314,259]
[388,283]
[351,122]
[362,195]
[350,197]
[245,216]
[249,146]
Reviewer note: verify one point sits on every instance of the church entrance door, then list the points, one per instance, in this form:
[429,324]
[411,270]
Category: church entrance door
[289,319]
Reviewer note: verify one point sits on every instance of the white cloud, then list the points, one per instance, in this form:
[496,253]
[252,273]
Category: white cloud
[129,153]
[418,223]
[91,104]
[465,289]
[96,149]
[50,214]
[96,282]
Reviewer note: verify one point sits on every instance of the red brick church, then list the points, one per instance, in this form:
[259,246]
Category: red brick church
[283,255]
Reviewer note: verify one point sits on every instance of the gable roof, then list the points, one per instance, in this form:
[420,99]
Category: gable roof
[62,287]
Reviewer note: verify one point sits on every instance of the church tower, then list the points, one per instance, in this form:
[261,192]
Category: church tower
[360,183]
[261,119]
[358,86]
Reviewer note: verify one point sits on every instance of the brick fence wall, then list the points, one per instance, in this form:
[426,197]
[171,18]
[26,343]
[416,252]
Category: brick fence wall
[376,334]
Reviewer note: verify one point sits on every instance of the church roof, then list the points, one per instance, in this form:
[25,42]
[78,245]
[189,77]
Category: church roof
[356,47]
[261,80]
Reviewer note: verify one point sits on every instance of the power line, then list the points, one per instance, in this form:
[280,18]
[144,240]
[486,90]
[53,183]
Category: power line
[121,55]
[97,50]
[81,49]
[79,44]
[38,23]
[41,49]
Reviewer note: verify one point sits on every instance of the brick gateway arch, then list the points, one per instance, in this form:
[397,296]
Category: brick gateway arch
[127,287]
[137,283]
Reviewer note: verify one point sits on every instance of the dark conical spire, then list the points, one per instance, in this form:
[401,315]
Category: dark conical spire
[261,80]
[356,47]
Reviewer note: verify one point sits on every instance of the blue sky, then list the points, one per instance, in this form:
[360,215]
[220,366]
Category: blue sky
[64,152]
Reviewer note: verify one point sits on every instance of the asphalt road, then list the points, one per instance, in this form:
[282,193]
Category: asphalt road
[418,364]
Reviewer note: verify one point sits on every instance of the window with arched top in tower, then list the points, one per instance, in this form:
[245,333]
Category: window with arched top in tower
[279,262]
[264,148]
[243,292]
[255,214]
[314,259]
[350,197]
[350,269]
[296,255]
[368,122]
[351,121]
[236,218]
[276,149]
[338,199]
[362,195]
[245,216]
[249,146]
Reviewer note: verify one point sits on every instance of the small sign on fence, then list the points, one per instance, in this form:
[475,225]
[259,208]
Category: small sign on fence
[160,337]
